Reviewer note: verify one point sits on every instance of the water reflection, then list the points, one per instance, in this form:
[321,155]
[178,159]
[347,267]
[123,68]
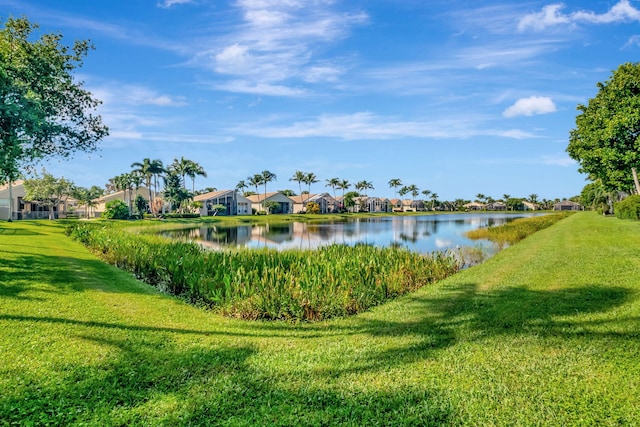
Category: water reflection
[422,234]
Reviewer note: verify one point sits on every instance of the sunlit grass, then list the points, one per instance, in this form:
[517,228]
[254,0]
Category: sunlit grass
[547,332]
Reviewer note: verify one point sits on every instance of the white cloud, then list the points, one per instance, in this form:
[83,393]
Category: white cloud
[530,106]
[169,3]
[551,15]
[243,86]
[277,42]
[369,126]
[633,41]
[558,160]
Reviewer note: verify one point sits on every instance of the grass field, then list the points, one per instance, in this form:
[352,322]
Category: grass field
[547,332]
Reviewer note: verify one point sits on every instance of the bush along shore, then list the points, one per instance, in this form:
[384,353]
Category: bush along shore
[331,281]
[514,231]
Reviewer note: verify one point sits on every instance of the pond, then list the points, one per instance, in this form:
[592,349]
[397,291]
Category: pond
[423,234]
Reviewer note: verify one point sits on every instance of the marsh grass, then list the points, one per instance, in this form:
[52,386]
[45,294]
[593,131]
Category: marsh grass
[335,280]
[516,230]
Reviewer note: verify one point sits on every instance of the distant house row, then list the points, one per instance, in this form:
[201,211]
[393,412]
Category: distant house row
[231,202]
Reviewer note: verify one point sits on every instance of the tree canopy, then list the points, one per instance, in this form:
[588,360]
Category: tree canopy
[606,139]
[44,111]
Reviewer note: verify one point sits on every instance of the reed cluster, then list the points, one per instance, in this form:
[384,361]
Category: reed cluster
[331,281]
[516,230]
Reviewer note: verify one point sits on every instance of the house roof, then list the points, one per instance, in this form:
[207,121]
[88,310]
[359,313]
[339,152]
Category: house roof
[567,203]
[257,198]
[13,184]
[119,195]
[468,205]
[211,195]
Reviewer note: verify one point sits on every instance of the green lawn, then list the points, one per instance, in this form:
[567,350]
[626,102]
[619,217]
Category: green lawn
[545,333]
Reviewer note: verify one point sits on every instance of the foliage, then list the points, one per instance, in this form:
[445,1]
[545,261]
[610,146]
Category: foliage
[48,191]
[331,281]
[116,209]
[271,207]
[45,112]
[87,197]
[313,208]
[514,231]
[596,197]
[605,141]
[141,204]
[628,208]
[174,192]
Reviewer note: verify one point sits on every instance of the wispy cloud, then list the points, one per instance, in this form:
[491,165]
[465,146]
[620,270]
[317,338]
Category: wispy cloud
[369,126]
[166,4]
[530,106]
[552,15]
[276,44]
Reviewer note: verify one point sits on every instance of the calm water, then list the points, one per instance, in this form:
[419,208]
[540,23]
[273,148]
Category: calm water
[423,234]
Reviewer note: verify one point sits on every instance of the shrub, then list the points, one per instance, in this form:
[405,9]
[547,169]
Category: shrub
[313,208]
[629,208]
[116,209]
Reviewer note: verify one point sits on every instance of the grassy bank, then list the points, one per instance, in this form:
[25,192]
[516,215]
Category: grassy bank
[546,332]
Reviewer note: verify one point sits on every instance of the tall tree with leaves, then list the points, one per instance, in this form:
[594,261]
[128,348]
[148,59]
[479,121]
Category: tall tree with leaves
[364,185]
[299,177]
[44,111]
[48,191]
[150,170]
[267,177]
[606,139]
[256,180]
[310,178]
[395,183]
[195,170]
[333,183]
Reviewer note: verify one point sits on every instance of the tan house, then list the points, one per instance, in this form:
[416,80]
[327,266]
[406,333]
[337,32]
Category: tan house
[282,203]
[567,205]
[496,206]
[474,206]
[409,205]
[326,202]
[126,196]
[22,209]
[233,202]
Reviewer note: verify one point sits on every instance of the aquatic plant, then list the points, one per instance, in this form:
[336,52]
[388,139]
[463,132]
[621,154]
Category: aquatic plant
[335,280]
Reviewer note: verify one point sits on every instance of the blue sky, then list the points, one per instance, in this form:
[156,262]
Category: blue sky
[456,97]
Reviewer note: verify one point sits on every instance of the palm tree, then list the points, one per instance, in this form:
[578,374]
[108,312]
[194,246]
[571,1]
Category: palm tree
[144,170]
[181,168]
[309,179]
[364,186]
[267,177]
[149,170]
[255,180]
[426,193]
[195,169]
[395,183]
[533,198]
[343,185]
[333,183]
[481,197]
[434,199]
[298,177]
[242,186]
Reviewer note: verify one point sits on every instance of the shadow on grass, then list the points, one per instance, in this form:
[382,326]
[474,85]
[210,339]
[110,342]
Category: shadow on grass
[150,382]
[466,313]
[20,274]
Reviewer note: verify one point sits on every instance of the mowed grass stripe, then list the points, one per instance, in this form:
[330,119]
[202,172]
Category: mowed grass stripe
[544,333]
